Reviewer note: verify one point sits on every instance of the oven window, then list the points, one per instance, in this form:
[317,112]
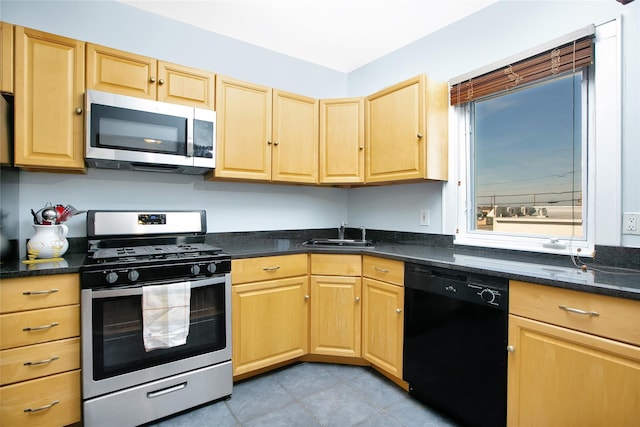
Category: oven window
[118,346]
[120,128]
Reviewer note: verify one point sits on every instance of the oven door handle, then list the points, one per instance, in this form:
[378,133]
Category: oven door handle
[125,292]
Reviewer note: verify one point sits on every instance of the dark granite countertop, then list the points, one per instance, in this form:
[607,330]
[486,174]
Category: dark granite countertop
[557,271]
[71,264]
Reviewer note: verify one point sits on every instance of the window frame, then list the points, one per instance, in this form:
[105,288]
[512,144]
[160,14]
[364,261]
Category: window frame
[603,77]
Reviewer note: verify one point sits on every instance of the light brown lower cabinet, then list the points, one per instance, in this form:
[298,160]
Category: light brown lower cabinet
[336,302]
[269,317]
[560,376]
[383,313]
[40,351]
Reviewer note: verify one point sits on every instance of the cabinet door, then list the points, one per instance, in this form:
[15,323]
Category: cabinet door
[382,325]
[49,94]
[6,57]
[31,293]
[395,132]
[50,401]
[116,71]
[184,85]
[244,130]
[561,377]
[407,132]
[269,322]
[335,315]
[295,138]
[342,141]
[37,326]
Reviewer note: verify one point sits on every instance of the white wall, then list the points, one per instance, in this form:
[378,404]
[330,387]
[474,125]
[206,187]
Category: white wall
[229,206]
[501,30]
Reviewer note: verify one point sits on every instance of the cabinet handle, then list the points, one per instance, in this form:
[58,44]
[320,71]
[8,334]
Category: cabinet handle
[398,310]
[42,362]
[357,299]
[578,311]
[511,349]
[419,135]
[161,81]
[275,143]
[271,268]
[152,79]
[361,147]
[78,110]
[48,291]
[39,328]
[306,297]
[42,408]
[381,270]
[269,143]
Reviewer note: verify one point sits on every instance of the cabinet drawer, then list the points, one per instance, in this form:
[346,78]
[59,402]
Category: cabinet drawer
[268,268]
[30,293]
[386,270]
[336,265]
[616,318]
[49,401]
[34,361]
[48,324]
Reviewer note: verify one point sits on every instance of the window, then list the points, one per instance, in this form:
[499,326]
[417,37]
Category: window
[526,149]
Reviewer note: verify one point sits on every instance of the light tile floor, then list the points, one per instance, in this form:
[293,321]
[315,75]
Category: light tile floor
[312,395]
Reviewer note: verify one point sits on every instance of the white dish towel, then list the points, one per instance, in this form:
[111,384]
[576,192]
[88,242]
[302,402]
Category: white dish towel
[165,315]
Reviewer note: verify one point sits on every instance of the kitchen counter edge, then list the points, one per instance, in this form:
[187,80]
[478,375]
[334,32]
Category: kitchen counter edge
[592,279]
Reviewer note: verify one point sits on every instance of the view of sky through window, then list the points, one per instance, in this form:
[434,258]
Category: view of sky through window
[528,151]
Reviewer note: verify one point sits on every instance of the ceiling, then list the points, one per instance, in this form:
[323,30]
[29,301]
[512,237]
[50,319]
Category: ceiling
[338,34]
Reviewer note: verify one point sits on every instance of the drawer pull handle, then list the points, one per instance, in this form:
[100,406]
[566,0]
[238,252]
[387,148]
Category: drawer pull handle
[381,270]
[48,291]
[42,408]
[39,328]
[271,268]
[578,311]
[398,310]
[42,362]
[167,390]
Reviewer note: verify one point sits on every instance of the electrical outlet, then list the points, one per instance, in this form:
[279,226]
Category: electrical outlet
[631,223]
[424,216]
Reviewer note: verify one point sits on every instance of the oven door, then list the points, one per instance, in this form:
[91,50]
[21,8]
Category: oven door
[113,353]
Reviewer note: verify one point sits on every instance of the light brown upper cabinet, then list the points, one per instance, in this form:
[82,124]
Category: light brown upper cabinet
[116,71]
[265,134]
[407,131]
[342,141]
[6,57]
[49,94]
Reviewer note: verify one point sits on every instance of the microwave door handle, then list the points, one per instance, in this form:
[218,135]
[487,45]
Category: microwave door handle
[190,125]
[125,292]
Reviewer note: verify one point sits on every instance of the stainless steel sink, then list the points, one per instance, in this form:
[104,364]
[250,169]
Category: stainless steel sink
[333,243]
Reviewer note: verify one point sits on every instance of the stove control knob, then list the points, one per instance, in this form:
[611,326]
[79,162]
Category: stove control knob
[112,277]
[133,275]
[212,267]
[487,295]
[195,269]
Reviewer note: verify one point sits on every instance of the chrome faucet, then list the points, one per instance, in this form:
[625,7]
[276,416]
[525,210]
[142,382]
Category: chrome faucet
[341,230]
[364,233]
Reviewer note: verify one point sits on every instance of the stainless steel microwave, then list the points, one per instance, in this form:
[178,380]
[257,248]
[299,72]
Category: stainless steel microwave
[127,133]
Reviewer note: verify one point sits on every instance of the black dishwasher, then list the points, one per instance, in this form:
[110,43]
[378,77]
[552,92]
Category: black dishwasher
[455,339]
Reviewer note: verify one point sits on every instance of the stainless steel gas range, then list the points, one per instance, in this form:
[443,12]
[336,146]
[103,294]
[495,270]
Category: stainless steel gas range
[156,317]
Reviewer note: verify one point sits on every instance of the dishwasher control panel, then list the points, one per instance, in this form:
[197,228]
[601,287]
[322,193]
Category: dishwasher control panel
[470,287]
